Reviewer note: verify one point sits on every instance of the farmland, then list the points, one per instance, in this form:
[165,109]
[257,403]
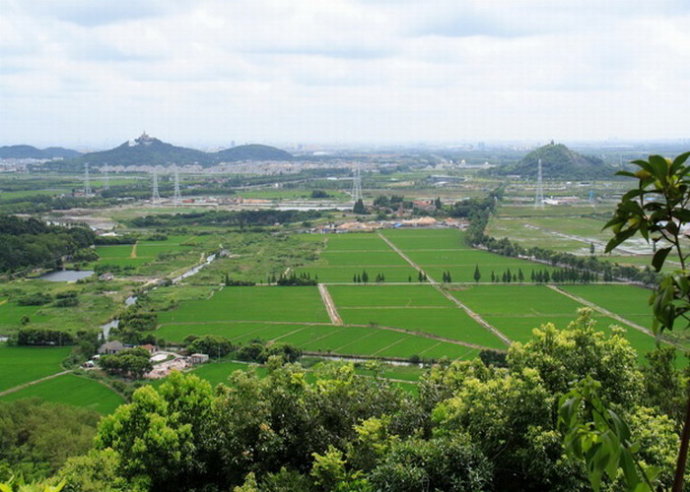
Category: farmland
[19,365]
[397,317]
[72,390]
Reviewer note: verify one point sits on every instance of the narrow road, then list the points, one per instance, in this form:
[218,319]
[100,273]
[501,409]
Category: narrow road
[447,295]
[31,383]
[330,305]
[133,253]
[601,310]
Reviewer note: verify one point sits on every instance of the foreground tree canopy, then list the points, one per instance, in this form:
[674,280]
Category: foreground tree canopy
[470,426]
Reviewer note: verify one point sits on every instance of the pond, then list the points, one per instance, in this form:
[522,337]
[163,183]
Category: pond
[66,275]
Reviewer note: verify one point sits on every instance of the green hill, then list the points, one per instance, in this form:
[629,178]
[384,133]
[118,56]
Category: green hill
[30,152]
[146,151]
[149,151]
[253,152]
[558,161]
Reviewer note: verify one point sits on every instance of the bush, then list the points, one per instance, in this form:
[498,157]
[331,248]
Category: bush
[37,299]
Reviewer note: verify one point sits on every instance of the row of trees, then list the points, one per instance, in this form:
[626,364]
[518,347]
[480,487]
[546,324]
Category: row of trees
[470,426]
[224,218]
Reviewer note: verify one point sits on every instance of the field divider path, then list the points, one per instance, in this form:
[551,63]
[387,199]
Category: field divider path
[476,317]
[330,305]
[603,311]
[133,253]
[35,381]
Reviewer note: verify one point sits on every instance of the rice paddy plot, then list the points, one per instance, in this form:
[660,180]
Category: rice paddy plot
[355,242]
[461,264]
[516,310]
[290,304]
[72,390]
[628,301]
[219,372]
[363,258]
[413,295]
[426,239]
[11,315]
[237,332]
[19,365]
[418,308]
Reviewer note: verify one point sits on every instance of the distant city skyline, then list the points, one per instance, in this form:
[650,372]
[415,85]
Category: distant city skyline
[91,74]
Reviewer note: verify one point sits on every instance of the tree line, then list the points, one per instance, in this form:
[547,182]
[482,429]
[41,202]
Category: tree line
[30,243]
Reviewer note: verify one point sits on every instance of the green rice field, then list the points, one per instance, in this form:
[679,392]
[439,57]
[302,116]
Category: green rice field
[19,365]
[288,304]
[72,390]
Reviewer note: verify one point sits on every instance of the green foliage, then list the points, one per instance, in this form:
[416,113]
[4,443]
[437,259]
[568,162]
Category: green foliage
[213,346]
[34,299]
[598,436]
[132,363]
[658,210]
[30,243]
[359,207]
[31,430]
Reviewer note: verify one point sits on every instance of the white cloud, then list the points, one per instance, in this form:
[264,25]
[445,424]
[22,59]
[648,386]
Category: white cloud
[97,72]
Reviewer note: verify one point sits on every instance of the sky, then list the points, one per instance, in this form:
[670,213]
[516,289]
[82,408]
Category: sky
[205,73]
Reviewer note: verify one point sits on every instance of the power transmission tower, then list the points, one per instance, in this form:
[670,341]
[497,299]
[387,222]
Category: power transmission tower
[106,177]
[539,197]
[155,196]
[177,198]
[357,185]
[87,183]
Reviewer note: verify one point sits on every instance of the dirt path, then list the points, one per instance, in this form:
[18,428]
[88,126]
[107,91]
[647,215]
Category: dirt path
[133,254]
[601,310]
[330,305]
[31,383]
[447,295]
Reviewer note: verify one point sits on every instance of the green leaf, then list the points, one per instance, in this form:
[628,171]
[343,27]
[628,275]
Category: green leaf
[660,258]
[680,160]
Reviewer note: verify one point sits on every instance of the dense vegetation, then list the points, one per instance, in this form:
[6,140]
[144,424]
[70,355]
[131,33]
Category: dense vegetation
[32,243]
[38,437]
[472,426]
[223,218]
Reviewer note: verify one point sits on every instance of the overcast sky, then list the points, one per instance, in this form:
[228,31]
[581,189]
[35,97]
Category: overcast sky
[94,73]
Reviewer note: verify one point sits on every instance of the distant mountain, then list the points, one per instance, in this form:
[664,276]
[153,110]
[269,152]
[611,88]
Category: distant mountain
[558,161]
[252,152]
[30,152]
[149,151]
[146,151]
